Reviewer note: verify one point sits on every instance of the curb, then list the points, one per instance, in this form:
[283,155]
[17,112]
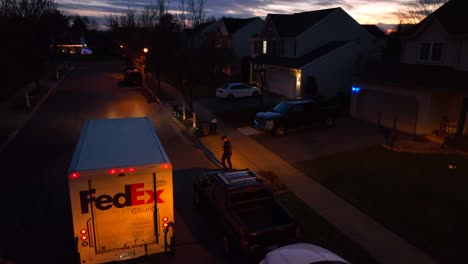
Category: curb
[13,134]
[189,134]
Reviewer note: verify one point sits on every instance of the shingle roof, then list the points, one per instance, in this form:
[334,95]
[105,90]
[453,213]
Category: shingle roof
[451,15]
[375,31]
[411,76]
[234,24]
[293,25]
[299,62]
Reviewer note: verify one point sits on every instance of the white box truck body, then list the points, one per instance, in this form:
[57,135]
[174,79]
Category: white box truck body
[121,191]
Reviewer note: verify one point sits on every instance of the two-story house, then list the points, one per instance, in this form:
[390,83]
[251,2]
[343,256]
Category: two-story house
[427,87]
[234,34]
[308,54]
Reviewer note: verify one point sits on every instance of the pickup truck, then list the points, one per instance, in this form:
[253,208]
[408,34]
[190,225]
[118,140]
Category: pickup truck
[253,221]
[295,113]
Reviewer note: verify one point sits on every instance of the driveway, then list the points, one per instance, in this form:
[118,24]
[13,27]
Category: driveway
[299,144]
[315,141]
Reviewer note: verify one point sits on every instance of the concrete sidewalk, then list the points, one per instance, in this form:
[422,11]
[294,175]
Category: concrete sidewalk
[375,239]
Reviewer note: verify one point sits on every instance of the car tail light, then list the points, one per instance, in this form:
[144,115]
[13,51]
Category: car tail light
[74,175]
[166,166]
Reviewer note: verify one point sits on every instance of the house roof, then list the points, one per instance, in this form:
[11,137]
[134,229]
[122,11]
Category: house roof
[375,31]
[301,61]
[292,25]
[451,15]
[414,77]
[234,24]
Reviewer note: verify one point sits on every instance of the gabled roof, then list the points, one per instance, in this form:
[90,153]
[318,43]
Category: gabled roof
[293,25]
[375,31]
[414,77]
[299,62]
[234,24]
[451,15]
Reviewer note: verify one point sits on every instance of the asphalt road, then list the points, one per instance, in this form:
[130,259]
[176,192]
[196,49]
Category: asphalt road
[36,219]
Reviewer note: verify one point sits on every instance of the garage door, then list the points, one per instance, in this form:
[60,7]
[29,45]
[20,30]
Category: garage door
[388,109]
[281,81]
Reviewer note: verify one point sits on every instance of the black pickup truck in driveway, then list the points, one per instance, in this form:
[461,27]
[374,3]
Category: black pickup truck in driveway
[296,113]
[253,221]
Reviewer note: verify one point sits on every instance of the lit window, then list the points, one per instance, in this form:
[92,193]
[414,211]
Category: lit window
[264,47]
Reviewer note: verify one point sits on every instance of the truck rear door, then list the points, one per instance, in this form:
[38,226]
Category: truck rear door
[124,210]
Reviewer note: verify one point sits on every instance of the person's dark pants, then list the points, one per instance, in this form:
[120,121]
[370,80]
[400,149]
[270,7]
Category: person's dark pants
[228,158]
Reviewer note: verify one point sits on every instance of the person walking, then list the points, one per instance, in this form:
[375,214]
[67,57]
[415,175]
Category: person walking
[227,152]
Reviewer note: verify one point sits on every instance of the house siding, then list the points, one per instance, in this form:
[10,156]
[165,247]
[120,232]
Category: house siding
[340,62]
[240,43]
[336,26]
[462,63]
[434,31]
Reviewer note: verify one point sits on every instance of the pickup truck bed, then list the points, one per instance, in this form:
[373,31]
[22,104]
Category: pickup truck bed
[260,215]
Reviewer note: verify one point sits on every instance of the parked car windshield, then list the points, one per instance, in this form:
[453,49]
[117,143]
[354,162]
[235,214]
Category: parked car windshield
[282,108]
[224,86]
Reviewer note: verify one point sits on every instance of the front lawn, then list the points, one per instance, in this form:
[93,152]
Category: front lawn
[415,195]
[316,230]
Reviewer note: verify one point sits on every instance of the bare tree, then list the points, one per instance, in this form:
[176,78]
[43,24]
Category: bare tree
[413,11]
[182,14]
[196,12]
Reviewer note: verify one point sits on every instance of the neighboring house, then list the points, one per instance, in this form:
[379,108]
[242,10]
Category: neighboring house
[380,41]
[427,87]
[309,54]
[234,34]
[204,35]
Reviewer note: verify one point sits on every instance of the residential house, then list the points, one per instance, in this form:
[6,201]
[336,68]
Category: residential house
[308,54]
[204,35]
[425,91]
[380,41]
[234,34]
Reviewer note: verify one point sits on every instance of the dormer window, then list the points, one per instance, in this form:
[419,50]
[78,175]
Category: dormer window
[431,51]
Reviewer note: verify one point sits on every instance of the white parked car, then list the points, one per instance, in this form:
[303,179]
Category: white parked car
[302,253]
[236,90]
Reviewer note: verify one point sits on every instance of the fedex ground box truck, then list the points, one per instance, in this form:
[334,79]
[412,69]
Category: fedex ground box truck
[121,192]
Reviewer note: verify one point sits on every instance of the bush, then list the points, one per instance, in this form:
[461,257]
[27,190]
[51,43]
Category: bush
[272,180]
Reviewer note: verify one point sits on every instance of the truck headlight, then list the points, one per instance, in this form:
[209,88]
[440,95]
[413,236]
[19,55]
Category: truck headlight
[269,124]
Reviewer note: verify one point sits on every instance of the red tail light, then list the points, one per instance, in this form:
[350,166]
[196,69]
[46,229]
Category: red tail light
[166,166]
[74,175]
[113,171]
[131,170]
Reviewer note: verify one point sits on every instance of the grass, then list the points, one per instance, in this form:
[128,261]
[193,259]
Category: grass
[314,229]
[415,195]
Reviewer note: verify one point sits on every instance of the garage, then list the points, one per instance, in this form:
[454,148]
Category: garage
[281,81]
[388,109]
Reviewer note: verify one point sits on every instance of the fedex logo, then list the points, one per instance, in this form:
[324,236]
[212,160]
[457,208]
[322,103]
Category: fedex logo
[134,195]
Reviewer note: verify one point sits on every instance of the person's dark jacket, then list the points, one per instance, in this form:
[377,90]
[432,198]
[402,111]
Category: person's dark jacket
[227,147]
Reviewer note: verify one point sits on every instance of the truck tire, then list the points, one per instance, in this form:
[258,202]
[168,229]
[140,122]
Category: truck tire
[196,199]
[227,245]
[279,131]
[329,121]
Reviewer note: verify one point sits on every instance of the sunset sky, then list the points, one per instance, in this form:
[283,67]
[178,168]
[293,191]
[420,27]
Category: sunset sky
[364,11]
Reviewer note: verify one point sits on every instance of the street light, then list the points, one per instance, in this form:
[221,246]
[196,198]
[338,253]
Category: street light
[145,50]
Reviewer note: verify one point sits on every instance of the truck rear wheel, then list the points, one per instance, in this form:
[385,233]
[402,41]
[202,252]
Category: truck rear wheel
[227,245]
[279,131]
[329,121]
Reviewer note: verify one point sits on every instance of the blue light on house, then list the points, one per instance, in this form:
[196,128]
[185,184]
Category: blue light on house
[355,89]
